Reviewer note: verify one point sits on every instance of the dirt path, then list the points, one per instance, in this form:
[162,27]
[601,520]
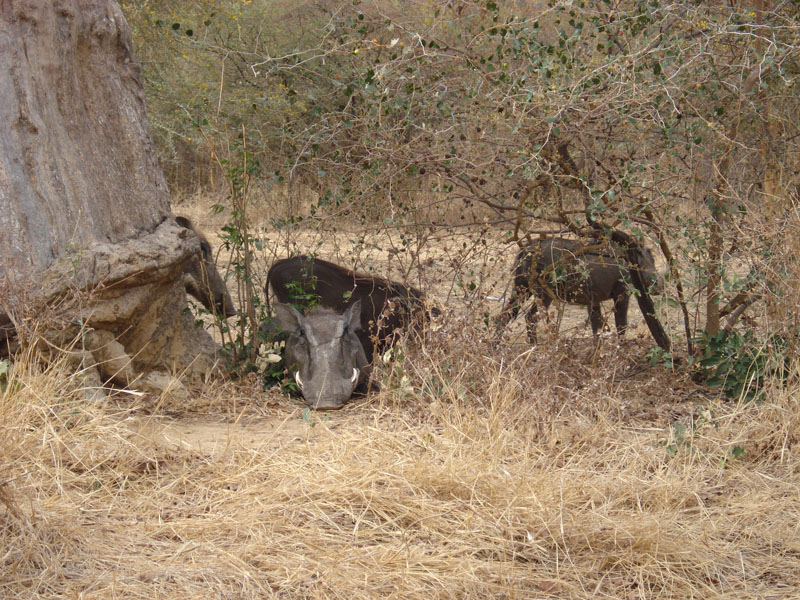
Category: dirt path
[214,435]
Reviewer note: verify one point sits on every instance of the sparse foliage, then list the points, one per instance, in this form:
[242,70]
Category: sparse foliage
[675,122]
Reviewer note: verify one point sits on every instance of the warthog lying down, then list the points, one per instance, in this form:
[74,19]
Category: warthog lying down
[581,273]
[324,353]
[201,278]
[387,307]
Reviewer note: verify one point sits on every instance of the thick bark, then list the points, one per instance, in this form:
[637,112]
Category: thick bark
[84,208]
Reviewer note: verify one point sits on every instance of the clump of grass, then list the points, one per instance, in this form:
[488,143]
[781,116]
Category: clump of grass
[475,473]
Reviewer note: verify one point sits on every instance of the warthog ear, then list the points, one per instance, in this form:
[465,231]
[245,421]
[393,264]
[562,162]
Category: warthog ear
[353,315]
[287,317]
[184,222]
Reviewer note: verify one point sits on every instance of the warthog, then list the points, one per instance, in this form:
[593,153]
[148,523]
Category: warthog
[387,307]
[201,278]
[324,353]
[582,273]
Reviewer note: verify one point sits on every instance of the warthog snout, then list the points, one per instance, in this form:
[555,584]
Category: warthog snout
[324,354]
[202,279]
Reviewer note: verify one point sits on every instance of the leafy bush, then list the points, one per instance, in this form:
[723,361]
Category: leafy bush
[741,364]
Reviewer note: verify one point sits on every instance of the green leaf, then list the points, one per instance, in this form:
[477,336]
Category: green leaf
[737,452]
[712,361]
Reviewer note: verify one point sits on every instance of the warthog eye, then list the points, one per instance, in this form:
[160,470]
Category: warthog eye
[354,378]
[298,380]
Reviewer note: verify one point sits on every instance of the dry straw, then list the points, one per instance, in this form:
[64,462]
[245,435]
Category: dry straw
[472,475]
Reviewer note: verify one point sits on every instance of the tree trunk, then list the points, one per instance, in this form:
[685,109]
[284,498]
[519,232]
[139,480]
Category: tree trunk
[86,234]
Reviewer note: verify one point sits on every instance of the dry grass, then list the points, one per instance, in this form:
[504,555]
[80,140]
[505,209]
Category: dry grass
[477,472]
[470,475]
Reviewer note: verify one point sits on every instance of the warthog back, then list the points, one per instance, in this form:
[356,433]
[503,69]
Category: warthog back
[580,273]
[387,307]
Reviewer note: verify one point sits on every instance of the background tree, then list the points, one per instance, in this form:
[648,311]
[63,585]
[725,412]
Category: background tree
[673,121]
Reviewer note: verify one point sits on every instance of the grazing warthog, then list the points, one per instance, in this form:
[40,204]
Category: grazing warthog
[387,307]
[201,278]
[581,273]
[324,353]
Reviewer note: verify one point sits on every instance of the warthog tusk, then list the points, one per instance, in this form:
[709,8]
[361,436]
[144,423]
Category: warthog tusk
[298,380]
[354,378]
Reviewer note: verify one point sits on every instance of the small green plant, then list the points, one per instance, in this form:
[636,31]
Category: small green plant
[396,376]
[677,439]
[736,452]
[274,373]
[741,364]
[681,435]
[306,416]
[271,364]
[659,356]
